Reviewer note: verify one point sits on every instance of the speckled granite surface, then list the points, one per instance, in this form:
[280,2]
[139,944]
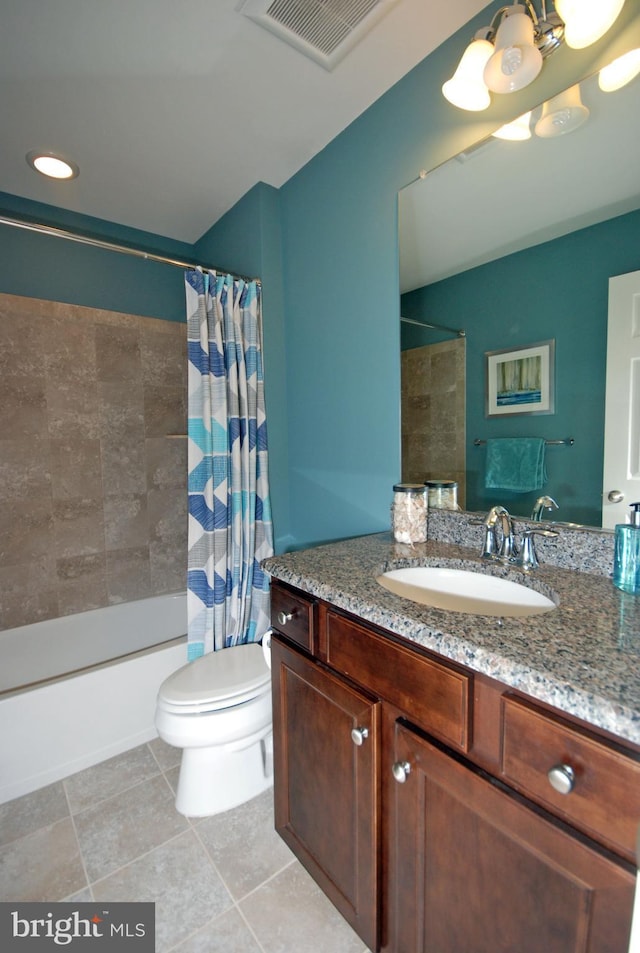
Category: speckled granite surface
[583,657]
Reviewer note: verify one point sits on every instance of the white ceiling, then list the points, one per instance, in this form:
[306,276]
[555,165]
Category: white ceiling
[174,109]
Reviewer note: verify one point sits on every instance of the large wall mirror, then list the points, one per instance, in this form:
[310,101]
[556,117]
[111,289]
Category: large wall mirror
[514,243]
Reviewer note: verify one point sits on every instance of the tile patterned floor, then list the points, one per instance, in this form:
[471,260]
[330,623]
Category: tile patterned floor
[224,884]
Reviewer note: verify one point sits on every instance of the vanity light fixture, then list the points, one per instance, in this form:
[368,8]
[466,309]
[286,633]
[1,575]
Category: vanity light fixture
[585,21]
[516,131]
[562,114]
[52,165]
[620,72]
[508,54]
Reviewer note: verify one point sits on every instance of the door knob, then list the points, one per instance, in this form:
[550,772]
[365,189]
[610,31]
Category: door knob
[615,496]
[401,771]
[284,617]
[562,778]
[358,735]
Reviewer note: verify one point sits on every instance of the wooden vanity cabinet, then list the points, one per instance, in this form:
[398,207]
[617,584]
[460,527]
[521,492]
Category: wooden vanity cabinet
[327,783]
[473,868]
[413,790]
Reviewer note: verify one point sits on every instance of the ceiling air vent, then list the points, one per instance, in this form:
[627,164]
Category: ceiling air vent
[324,30]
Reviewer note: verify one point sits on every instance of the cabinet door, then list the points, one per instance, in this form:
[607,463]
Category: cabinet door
[474,868]
[327,784]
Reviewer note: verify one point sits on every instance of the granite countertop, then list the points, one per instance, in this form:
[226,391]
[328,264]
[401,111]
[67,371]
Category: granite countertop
[583,657]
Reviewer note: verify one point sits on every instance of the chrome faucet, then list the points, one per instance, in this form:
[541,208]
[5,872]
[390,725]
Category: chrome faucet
[505,547]
[541,504]
[527,558]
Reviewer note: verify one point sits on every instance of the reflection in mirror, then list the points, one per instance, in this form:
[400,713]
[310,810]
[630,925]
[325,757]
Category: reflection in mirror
[514,242]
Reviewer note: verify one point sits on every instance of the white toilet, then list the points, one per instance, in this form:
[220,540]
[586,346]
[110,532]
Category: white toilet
[218,710]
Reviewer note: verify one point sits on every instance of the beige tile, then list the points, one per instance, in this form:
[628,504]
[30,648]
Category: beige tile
[28,591]
[163,354]
[72,409]
[166,463]
[178,877]
[126,522]
[78,526]
[43,866]
[118,830]
[76,469]
[87,788]
[81,582]
[228,933]
[117,353]
[124,467]
[305,923]
[29,813]
[244,845]
[24,407]
[168,564]
[128,574]
[173,776]
[70,351]
[166,755]
[27,531]
[24,470]
[165,410]
[167,513]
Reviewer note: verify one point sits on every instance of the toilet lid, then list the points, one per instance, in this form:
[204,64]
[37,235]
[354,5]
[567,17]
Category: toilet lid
[235,674]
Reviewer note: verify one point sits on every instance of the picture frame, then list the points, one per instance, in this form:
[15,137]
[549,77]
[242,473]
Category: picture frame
[520,380]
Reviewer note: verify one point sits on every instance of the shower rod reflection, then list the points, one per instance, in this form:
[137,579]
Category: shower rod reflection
[437,327]
[54,232]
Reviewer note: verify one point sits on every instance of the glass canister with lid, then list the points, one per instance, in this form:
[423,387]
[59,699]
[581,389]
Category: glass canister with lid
[443,494]
[409,512]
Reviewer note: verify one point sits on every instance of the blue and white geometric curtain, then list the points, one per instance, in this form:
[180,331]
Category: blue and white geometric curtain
[230,529]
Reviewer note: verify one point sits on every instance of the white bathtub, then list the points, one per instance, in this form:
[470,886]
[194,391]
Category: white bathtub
[82,688]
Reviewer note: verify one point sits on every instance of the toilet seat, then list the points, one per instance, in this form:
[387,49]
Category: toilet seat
[216,681]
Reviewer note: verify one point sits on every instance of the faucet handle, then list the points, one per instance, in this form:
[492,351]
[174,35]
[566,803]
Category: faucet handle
[528,558]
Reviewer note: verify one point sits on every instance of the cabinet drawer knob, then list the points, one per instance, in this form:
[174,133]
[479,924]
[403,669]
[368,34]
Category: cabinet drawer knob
[358,735]
[401,771]
[562,778]
[284,617]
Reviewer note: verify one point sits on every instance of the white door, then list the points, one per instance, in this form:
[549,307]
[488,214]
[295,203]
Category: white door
[621,484]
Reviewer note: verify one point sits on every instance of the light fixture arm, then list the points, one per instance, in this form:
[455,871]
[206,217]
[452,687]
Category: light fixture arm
[548,29]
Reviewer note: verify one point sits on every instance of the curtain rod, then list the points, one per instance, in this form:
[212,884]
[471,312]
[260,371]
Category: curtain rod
[55,232]
[438,327]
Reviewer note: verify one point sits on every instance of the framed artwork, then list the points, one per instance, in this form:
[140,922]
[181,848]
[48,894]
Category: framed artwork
[520,381]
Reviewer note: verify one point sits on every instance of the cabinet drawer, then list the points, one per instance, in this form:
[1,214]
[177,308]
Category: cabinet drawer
[604,801]
[294,615]
[435,696]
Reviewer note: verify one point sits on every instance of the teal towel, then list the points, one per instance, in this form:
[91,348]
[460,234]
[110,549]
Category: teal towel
[515,463]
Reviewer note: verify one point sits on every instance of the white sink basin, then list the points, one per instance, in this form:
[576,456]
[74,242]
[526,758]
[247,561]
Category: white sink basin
[462,591]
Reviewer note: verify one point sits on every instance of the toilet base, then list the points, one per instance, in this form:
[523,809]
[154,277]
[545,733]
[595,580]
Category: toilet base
[216,779]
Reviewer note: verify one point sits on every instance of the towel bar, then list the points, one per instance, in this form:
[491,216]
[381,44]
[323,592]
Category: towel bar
[567,442]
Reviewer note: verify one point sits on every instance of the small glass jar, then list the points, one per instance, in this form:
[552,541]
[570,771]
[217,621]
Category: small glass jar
[443,494]
[409,512]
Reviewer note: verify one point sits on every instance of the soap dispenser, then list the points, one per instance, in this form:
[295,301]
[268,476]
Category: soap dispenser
[626,555]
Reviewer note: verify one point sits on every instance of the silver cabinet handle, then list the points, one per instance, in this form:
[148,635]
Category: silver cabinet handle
[358,735]
[401,771]
[615,496]
[284,617]
[562,778]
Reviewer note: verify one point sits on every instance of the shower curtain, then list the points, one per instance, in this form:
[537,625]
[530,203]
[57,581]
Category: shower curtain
[230,529]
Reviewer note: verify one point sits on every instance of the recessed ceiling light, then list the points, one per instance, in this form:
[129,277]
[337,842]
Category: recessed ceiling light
[52,165]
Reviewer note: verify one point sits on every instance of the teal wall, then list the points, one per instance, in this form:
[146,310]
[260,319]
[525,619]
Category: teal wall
[38,266]
[339,226]
[567,298]
[325,247]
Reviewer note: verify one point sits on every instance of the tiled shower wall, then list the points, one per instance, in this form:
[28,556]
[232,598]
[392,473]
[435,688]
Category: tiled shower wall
[92,491]
[433,414]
